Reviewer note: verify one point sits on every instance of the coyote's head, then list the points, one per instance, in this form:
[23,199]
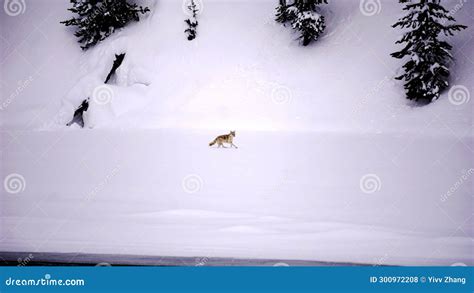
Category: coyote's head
[232,133]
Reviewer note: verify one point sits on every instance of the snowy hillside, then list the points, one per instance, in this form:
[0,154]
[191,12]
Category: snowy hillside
[334,164]
[244,71]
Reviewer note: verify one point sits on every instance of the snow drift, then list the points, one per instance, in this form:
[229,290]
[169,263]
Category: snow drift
[244,70]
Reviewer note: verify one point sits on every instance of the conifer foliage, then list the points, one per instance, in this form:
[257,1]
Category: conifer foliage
[427,70]
[192,22]
[304,16]
[98,19]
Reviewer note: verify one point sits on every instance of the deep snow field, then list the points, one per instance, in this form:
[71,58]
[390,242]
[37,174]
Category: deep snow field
[333,164]
[280,195]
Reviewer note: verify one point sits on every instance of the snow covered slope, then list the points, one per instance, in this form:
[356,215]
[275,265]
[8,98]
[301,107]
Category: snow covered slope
[244,71]
[333,163]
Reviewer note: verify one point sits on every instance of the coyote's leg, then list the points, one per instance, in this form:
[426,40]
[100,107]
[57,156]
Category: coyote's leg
[233,145]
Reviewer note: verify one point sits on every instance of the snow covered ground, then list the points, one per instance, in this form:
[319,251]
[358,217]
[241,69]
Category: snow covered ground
[333,163]
[280,195]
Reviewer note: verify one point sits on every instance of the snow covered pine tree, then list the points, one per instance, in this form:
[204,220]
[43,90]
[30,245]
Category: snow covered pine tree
[426,73]
[192,21]
[304,16]
[98,19]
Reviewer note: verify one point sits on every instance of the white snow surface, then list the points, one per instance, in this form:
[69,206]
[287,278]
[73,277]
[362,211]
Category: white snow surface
[311,122]
[279,195]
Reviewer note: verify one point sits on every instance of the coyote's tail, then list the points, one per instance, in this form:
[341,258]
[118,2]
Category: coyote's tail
[213,142]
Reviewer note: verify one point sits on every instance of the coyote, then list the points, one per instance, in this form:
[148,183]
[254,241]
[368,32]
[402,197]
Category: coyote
[227,138]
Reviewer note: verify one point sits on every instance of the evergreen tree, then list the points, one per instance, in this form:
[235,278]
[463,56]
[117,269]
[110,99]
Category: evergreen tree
[426,72]
[282,14]
[98,19]
[304,17]
[192,21]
